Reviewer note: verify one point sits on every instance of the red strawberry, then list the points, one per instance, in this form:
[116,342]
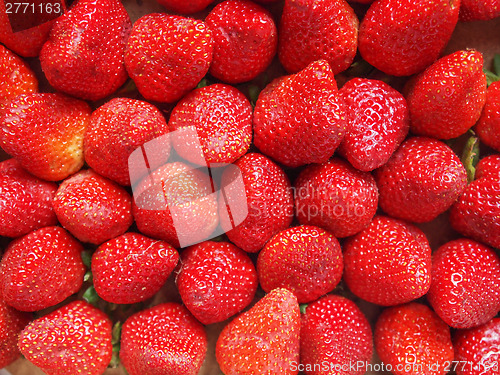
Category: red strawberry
[44,132]
[269,201]
[403,37]
[220,116]
[335,196]
[165,339]
[475,10]
[264,339]
[388,263]
[300,119]
[12,322]
[335,334]
[84,55]
[41,269]
[167,55]
[411,339]
[421,180]
[306,260]
[185,7]
[245,40]
[488,125]
[377,122]
[311,31]
[465,287]
[214,299]
[447,98]
[74,339]
[132,268]
[93,208]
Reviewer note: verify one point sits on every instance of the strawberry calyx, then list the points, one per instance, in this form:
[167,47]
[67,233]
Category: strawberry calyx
[470,156]
[303,307]
[493,76]
[115,342]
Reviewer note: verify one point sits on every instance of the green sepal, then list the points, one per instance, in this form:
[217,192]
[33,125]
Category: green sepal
[86,258]
[496,64]
[87,276]
[470,156]
[203,83]
[253,94]
[115,342]
[91,296]
[303,307]
[491,77]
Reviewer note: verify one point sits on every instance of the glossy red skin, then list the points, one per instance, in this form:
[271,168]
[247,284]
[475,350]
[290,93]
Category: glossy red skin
[334,332]
[403,37]
[222,118]
[311,31]
[72,339]
[377,122]
[84,55]
[44,132]
[488,126]
[306,260]
[41,269]
[479,10]
[465,287]
[300,119]
[245,40]
[447,98]
[269,201]
[12,322]
[165,339]
[336,197]
[421,180]
[185,7]
[214,299]
[168,55]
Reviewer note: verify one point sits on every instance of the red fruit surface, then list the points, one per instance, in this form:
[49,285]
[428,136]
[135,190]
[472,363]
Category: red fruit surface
[216,280]
[488,126]
[306,260]
[165,339]
[479,10]
[185,7]
[12,322]
[300,119]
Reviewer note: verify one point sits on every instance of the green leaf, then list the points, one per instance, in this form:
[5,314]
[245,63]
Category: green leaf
[253,93]
[203,83]
[86,258]
[496,64]
[91,296]
[115,341]
[491,77]
[87,276]
[303,308]
[470,156]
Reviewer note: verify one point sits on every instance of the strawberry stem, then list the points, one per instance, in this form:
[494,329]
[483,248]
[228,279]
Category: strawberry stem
[470,156]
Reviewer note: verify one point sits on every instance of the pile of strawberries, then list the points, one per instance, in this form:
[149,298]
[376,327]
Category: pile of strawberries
[340,172]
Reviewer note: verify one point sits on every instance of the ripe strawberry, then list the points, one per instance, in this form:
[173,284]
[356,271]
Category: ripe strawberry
[93,208]
[222,118]
[245,40]
[388,263]
[269,201]
[84,55]
[165,339]
[377,122]
[465,287]
[413,340]
[488,126]
[300,119]
[74,339]
[447,98]
[421,180]
[41,269]
[336,197]
[334,332]
[185,7]
[167,55]
[475,10]
[210,299]
[44,132]
[12,322]
[306,260]
[264,339]
[311,31]
[403,37]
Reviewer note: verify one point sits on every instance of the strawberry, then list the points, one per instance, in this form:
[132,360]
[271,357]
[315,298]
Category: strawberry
[132,268]
[300,119]
[165,339]
[403,37]
[245,40]
[447,98]
[44,132]
[269,201]
[388,263]
[222,118]
[488,126]
[421,180]
[84,55]
[475,10]
[336,197]
[25,201]
[12,322]
[411,339]
[335,334]
[264,339]
[74,339]
[377,122]
[167,55]
[93,208]
[210,299]
[465,287]
[185,7]
[311,31]
[306,260]
[41,269]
